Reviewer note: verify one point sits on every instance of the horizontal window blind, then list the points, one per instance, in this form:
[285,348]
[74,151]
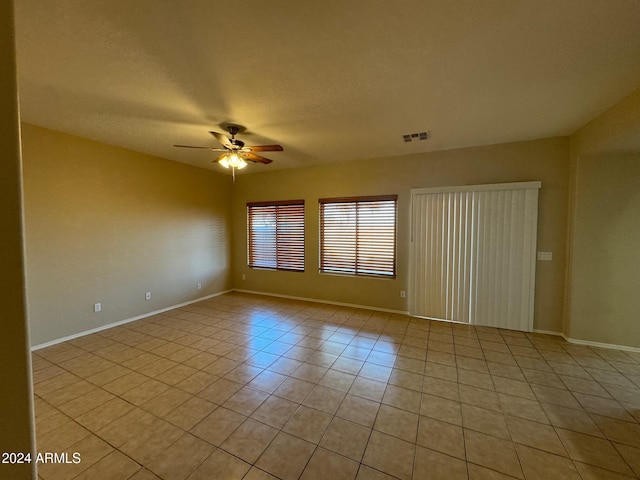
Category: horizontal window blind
[275,235]
[358,235]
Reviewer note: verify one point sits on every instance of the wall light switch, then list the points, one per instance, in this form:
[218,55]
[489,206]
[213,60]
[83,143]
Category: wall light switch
[545,256]
[147,296]
[199,285]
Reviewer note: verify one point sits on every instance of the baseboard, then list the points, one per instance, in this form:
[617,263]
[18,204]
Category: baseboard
[611,346]
[122,322]
[548,332]
[328,302]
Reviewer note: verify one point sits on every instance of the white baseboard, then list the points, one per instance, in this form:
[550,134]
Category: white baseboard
[122,322]
[589,343]
[328,302]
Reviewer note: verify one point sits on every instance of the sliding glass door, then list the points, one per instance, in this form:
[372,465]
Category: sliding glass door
[473,252]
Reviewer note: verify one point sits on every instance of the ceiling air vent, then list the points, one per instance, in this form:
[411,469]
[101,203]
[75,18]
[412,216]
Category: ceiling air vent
[413,137]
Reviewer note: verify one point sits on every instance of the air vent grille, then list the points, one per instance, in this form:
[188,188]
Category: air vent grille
[413,137]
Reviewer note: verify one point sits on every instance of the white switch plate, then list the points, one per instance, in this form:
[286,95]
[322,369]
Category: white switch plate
[147,296]
[545,256]
[403,294]
[199,285]
[97,307]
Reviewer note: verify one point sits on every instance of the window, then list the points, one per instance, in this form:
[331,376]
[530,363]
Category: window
[358,235]
[275,235]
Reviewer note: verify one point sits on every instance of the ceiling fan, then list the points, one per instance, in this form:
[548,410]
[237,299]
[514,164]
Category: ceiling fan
[236,153]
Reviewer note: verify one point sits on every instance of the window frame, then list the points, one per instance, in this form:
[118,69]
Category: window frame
[357,270]
[278,240]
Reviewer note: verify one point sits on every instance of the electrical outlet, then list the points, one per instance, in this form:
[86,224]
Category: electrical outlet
[545,256]
[97,307]
[403,294]
[147,296]
[199,286]
[244,277]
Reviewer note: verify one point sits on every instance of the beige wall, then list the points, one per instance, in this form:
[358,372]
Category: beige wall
[603,304]
[105,224]
[546,160]
[16,404]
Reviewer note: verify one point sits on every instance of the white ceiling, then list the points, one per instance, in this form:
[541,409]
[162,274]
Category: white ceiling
[329,80]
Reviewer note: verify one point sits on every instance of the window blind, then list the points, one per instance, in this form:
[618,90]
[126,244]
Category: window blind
[358,235]
[275,235]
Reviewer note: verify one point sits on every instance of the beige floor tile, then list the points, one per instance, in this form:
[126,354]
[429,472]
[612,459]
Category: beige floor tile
[513,387]
[294,389]
[484,421]
[538,465]
[176,374]
[249,440]
[346,438]
[358,410]
[145,392]
[220,465]
[151,442]
[218,425]
[441,436]
[493,453]
[257,474]
[105,414]
[308,424]
[591,472]
[571,419]
[90,449]
[402,398]
[593,451]
[114,465]
[631,455]
[400,389]
[326,464]
[220,391]
[62,437]
[190,413]
[246,400]
[144,474]
[522,408]
[275,411]
[390,455]
[181,458]
[534,434]
[368,388]
[166,402]
[396,422]
[555,396]
[616,430]
[438,466]
[475,379]
[286,456]
[337,380]
[324,399]
[476,472]
[441,409]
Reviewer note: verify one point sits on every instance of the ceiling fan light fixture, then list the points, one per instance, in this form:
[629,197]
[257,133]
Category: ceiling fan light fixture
[233,160]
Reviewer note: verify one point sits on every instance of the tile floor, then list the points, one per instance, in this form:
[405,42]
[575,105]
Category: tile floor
[251,387]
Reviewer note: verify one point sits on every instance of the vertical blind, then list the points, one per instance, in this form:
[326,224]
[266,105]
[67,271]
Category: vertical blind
[275,235]
[358,235]
[473,254]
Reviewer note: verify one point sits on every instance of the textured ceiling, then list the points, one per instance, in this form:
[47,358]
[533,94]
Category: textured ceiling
[328,80]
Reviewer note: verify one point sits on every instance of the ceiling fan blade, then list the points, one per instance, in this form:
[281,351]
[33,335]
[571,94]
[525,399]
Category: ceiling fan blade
[252,157]
[213,149]
[264,148]
[222,138]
